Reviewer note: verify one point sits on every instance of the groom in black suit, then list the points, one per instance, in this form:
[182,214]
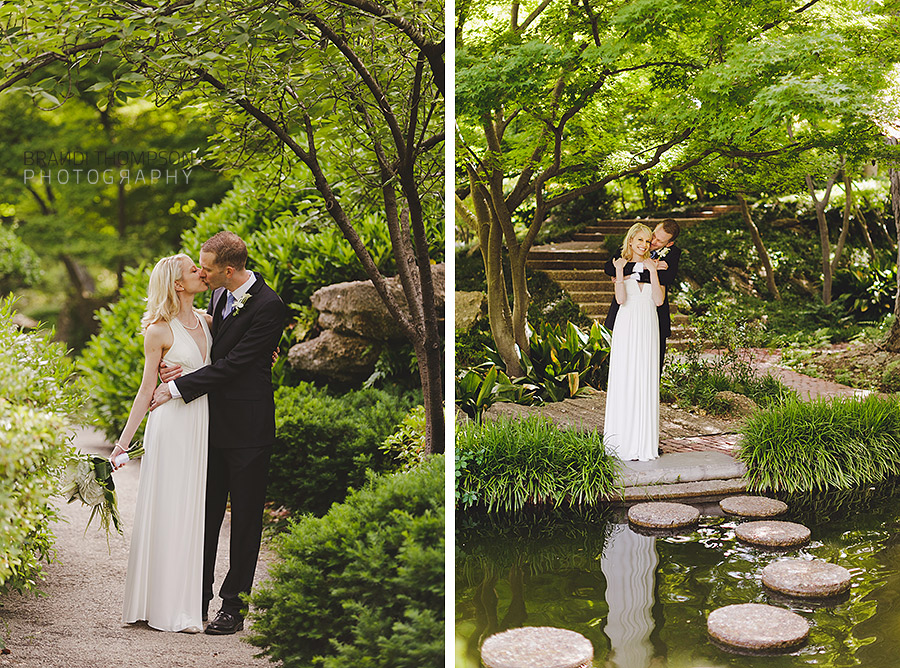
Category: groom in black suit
[247,323]
[662,248]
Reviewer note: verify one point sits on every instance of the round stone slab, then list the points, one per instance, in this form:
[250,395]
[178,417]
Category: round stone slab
[769,533]
[805,578]
[663,515]
[757,628]
[537,647]
[753,506]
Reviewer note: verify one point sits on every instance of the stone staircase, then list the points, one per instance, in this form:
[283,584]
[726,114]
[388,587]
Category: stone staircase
[577,266]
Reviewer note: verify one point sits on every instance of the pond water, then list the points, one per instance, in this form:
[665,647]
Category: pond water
[643,600]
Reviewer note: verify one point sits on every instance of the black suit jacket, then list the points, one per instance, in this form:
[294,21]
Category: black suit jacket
[666,278]
[239,379]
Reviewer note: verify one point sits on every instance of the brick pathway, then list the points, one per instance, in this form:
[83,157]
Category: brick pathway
[764,361]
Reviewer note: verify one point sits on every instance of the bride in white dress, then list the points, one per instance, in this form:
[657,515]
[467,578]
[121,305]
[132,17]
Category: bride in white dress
[631,424]
[165,564]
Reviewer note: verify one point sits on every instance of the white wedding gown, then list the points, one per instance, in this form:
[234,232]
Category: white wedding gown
[165,564]
[631,424]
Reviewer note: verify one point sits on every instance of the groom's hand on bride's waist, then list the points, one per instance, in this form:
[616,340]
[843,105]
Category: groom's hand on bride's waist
[167,373]
[160,396]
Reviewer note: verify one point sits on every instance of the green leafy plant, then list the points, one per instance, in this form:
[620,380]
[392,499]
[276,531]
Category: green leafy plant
[508,464]
[36,399]
[826,444]
[477,391]
[363,585]
[19,265]
[407,444]
[326,444]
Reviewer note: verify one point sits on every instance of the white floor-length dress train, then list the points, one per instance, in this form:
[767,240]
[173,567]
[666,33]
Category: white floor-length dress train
[631,424]
[165,564]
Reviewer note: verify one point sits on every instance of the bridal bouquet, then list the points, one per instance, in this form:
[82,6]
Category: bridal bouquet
[88,478]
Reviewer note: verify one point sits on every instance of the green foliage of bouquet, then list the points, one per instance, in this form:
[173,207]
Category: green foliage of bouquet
[89,479]
[363,585]
[36,396]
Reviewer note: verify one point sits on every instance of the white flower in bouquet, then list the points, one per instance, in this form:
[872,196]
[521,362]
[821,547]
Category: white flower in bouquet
[88,478]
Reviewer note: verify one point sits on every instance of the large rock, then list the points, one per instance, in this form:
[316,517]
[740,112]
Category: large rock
[356,308]
[469,308]
[336,356]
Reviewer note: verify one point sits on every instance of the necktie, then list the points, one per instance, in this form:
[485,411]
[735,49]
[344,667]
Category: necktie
[229,305]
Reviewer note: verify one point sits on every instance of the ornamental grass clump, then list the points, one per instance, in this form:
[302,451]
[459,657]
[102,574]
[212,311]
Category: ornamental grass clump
[508,464]
[828,444]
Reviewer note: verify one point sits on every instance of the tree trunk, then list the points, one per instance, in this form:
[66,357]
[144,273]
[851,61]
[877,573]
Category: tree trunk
[891,341]
[845,224]
[490,237]
[864,227]
[824,241]
[760,248]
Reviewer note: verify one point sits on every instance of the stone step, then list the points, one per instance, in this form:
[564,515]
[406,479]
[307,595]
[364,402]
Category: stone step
[560,275]
[564,264]
[563,254]
[590,236]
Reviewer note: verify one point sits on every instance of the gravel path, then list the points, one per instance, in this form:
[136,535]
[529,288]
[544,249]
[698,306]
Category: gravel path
[78,623]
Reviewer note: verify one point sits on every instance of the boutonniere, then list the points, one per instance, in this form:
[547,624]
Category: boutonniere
[662,252]
[239,304]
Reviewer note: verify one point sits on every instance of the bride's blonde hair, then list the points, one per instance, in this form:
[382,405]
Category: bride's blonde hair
[162,299]
[626,245]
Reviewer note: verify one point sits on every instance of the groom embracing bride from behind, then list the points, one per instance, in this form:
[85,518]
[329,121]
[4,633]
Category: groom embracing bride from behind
[245,319]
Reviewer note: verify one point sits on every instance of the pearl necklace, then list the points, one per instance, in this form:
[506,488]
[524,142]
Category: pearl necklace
[190,329]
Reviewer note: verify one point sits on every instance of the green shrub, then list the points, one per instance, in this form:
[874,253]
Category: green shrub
[406,446]
[19,265]
[325,444]
[506,464]
[822,445]
[294,244]
[36,396]
[112,363]
[363,585]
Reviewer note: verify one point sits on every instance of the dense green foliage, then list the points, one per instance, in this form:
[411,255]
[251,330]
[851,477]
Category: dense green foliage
[507,464]
[325,444]
[112,362]
[295,245]
[36,397]
[822,445]
[363,585]
[19,265]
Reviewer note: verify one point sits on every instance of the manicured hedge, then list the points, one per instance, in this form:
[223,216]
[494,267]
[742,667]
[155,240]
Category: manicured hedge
[326,444]
[363,585]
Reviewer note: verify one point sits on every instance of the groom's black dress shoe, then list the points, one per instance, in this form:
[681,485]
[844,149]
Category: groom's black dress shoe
[224,624]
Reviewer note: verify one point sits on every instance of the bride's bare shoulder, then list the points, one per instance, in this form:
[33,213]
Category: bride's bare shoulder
[159,333]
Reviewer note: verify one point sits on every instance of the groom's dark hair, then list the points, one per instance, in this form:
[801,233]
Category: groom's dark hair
[229,249]
[672,228]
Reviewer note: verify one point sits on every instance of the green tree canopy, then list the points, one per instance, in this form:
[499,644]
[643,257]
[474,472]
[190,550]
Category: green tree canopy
[557,99]
[287,82]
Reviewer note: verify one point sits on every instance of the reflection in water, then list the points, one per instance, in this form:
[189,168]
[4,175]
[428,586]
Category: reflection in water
[629,563]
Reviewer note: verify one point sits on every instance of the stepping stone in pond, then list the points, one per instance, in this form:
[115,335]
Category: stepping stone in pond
[537,647]
[805,578]
[663,515]
[753,506]
[757,628]
[770,533]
